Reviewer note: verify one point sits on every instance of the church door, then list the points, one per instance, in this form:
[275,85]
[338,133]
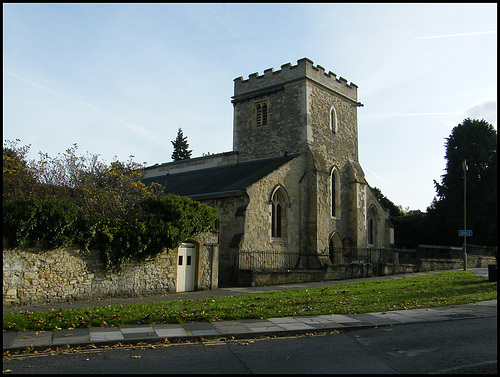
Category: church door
[186,263]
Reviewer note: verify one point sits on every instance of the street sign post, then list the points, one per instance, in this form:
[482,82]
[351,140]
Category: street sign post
[465,233]
[464,165]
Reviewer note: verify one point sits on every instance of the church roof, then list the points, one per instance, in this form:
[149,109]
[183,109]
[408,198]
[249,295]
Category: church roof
[219,180]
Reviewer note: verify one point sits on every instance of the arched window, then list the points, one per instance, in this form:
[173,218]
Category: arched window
[335,192]
[278,213]
[371,226]
[333,119]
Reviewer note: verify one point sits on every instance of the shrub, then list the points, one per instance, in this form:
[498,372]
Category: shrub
[161,222]
[44,223]
[79,200]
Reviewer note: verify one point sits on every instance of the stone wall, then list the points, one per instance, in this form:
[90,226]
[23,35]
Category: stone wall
[355,271]
[72,274]
[258,213]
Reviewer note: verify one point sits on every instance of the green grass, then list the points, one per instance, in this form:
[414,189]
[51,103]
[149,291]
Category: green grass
[441,289]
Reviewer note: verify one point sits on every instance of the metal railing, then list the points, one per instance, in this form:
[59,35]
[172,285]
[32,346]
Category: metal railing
[285,260]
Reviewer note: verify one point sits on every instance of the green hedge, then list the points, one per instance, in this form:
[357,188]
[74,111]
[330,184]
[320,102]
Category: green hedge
[47,224]
[160,222]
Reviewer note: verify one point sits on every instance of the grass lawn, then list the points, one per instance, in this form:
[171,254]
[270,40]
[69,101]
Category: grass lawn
[442,289]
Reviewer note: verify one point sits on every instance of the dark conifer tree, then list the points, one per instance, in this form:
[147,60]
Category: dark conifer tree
[474,142]
[181,147]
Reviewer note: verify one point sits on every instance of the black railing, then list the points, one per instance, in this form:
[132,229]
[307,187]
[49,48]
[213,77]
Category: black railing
[268,260]
[284,260]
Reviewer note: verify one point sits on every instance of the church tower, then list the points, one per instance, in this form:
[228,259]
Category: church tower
[294,110]
[304,109]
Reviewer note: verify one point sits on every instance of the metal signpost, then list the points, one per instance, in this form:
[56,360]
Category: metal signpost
[464,165]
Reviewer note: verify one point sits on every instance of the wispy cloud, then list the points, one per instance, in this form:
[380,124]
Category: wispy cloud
[140,130]
[408,114]
[457,35]
[377,176]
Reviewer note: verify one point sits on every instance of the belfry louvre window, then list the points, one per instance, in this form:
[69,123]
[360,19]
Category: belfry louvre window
[261,114]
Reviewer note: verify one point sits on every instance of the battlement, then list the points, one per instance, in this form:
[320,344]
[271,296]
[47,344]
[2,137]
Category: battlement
[288,73]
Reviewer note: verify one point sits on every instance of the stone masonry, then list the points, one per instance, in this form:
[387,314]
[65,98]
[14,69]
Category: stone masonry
[70,274]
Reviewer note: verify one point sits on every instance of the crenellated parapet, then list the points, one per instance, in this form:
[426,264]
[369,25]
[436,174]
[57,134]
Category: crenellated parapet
[288,73]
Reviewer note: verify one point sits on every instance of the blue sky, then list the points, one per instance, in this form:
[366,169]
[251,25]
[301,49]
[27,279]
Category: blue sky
[120,79]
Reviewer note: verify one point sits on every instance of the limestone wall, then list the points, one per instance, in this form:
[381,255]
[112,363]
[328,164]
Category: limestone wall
[72,274]
[355,271]
[284,132]
[258,214]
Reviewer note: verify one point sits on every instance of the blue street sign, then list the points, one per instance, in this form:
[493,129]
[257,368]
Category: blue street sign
[465,233]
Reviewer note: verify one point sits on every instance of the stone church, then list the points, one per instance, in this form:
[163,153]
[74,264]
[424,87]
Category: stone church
[293,184]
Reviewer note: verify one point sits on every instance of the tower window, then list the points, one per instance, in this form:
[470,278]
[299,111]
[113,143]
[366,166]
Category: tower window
[261,110]
[333,119]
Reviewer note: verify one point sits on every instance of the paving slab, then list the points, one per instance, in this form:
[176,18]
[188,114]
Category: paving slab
[169,330]
[73,336]
[340,318]
[395,317]
[105,334]
[266,329]
[138,332]
[371,319]
[139,329]
[33,338]
[141,335]
[8,338]
[200,328]
[283,320]
[295,326]
[230,325]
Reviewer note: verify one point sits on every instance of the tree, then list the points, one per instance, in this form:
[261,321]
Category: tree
[181,147]
[473,141]
[394,210]
[18,177]
[79,200]
[92,185]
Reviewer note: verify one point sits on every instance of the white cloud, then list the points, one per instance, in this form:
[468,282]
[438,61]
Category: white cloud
[137,129]
[457,35]
[409,114]
[486,110]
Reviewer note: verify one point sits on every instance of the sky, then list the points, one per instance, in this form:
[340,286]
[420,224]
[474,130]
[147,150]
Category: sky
[119,80]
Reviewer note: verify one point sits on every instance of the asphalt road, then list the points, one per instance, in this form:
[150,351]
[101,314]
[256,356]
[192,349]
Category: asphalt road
[450,347]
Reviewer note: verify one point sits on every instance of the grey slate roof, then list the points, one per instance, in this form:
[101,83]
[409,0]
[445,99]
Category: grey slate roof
[219,180]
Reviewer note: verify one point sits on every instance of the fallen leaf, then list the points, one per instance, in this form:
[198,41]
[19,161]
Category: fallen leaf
[135,357]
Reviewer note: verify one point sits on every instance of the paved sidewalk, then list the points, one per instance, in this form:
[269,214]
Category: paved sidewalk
[247,328]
